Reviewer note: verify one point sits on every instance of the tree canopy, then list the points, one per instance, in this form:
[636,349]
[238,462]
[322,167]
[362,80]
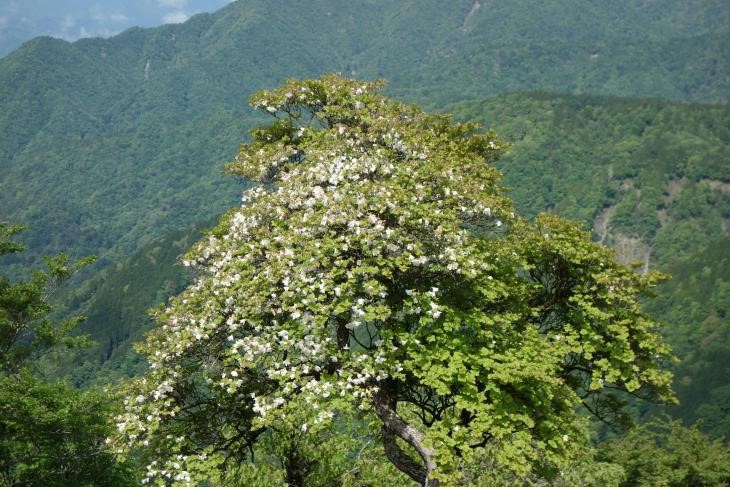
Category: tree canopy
[25,328]
[381,266]
[669,454]
[50,434]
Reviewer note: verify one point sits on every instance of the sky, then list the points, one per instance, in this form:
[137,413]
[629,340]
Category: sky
[21,20]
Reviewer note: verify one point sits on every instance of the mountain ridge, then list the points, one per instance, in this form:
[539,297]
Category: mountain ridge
[110,110]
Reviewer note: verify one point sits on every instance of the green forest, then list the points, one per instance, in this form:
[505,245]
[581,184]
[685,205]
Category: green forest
[556,312]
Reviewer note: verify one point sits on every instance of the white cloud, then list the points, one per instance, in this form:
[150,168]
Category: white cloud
[178,4]
[11,7]
[67,28]
[118,18]
[68,22]
[98,23]
[175,17]
[101,16]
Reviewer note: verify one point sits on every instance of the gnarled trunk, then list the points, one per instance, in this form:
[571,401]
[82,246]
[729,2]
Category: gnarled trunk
[385,402]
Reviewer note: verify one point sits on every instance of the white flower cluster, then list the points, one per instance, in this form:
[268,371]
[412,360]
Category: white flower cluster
[319,255]
[171,470]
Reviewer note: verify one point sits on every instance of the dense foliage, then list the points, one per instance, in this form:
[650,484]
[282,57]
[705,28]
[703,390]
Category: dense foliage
[25,329]
[54,435]
[651,178]
[50,434]
[386,270]
[668,454]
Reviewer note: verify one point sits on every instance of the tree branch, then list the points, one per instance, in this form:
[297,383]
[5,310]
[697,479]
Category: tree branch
[385,401]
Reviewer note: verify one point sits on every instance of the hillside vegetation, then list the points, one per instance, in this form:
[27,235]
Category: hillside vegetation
[108,143]
[651,179]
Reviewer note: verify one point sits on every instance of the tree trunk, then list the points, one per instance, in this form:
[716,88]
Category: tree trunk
[296,469]
[385,402]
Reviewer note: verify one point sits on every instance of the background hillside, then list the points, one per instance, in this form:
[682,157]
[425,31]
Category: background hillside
[110,147]
[105,144]
[651,178]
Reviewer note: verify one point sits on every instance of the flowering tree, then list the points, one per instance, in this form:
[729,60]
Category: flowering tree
[381,264]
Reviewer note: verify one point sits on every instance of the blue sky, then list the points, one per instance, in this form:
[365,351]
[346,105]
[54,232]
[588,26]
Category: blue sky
[21,20]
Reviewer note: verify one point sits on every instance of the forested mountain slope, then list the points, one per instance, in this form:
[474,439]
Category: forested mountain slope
[117,302]
[652,179]
[105,144]
[631,168]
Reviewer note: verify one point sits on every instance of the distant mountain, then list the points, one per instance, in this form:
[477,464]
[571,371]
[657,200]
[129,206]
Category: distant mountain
[73,19]
[106,144]
[636,170]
